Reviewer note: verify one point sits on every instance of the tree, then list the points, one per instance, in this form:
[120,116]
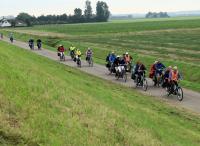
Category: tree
[78,17]
[102,14]
[13,22]
[102,11]
[77,13]
[88,10]
[63,18]
[26,18]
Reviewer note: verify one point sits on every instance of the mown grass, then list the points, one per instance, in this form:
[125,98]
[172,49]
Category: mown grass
[173,41]
[152,19]
[106,28]
[43,102]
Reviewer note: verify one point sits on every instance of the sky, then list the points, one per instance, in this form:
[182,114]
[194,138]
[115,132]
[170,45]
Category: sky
[39,7]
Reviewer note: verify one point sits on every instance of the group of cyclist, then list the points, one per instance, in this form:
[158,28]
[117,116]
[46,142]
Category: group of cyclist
[10,36]
[167,77]
[116,62]
[75,54]
[31,44]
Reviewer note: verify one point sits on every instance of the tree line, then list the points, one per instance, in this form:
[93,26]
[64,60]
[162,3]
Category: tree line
[157,15]
[102,15]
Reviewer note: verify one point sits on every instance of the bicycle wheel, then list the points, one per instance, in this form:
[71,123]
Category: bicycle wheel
[110,72]
[145,85]
[117,75]
[125,76]
[91,62]
[179,93]
[80,63]
[136,81]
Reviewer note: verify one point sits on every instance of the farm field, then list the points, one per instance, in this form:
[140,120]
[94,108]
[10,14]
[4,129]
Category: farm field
[42,104]
[173,41]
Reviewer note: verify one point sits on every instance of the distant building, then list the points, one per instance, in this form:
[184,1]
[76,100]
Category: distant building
[4,23]
[20,24]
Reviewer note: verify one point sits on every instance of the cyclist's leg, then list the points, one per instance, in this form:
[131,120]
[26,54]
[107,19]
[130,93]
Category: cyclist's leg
[139,77]
[175,86]
[155,79]
[172,87]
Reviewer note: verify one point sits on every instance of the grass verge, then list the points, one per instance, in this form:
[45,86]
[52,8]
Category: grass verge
[43,102]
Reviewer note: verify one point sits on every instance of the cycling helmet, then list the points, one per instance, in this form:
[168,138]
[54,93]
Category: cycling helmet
[175,68]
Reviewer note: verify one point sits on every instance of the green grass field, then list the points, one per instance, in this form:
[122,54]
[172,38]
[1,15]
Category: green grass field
[174,41]
[43,102]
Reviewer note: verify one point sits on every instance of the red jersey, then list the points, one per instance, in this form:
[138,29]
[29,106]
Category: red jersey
[61,49]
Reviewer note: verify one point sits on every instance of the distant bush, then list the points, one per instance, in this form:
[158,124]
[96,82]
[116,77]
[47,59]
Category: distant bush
[157,15]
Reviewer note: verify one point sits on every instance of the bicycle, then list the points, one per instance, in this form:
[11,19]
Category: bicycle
[62,56]
[90,61]
[111,67]
[141,81]
[11,39]
[175,89]
[158,78]
[78,60]
[121,73]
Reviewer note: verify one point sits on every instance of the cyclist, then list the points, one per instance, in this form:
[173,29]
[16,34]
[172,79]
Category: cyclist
[112,57]
[166,77]
[78,57]
[159,68]
[153,70]
[11,37]
[128,58]
[31,43]
[88,54]
[39,44]
[111,61]
[117,61]
[78,52]
[72,50]
[135,70]
[107,60]
[174,77]
[141,71]
[119,64]
[158,72]
[61,51]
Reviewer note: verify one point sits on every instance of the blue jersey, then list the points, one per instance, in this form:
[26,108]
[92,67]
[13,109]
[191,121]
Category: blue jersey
[159,66]
[112,58]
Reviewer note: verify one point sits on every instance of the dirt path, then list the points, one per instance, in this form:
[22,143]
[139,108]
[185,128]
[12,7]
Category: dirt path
[191,99]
